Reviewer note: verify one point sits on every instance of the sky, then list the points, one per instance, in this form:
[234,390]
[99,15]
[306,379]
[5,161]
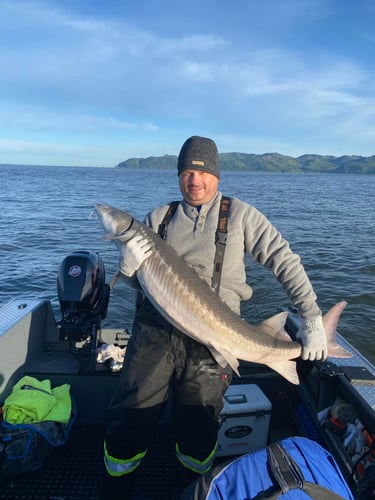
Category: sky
[93,82]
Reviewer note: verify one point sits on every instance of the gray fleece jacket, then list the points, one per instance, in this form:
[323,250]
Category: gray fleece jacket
[191,232]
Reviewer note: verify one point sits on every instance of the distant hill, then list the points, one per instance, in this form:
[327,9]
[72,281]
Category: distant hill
[268,162]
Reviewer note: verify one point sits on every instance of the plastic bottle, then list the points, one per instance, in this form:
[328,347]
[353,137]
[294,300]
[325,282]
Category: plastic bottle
[350,437]
[358,445]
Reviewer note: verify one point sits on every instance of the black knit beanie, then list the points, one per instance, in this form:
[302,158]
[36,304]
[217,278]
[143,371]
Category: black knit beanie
[199,153]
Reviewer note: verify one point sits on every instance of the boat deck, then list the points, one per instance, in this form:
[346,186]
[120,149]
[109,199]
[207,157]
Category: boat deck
[73,471]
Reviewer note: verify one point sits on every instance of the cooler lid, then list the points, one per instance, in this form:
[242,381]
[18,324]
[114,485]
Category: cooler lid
[245,398]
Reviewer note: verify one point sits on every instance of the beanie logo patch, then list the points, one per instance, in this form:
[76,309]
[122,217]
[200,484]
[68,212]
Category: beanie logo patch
[197,162]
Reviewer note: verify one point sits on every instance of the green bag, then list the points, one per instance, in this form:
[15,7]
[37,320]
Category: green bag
[24,447]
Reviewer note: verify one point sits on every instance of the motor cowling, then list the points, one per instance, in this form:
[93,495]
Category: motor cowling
[82,293]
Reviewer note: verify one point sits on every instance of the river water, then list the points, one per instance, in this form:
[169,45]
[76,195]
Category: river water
[329,220]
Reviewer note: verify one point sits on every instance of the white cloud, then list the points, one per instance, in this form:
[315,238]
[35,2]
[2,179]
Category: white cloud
[34,118]
[85,78]
[196,43]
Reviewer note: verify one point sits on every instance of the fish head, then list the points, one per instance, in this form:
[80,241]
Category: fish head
[116,223]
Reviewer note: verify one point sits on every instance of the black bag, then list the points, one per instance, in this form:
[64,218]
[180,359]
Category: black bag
[24,447]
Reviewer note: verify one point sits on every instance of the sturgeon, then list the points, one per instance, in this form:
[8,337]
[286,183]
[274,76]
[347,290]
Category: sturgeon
[191,305]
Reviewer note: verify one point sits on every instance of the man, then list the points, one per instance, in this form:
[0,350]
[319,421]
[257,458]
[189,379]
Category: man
[160,358]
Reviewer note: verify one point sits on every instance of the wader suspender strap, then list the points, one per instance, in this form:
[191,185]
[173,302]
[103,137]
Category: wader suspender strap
[286,475]
[220,242]
[220,236]
[162,231]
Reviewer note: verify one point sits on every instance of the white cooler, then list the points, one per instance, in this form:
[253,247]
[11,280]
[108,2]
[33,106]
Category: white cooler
[245,420]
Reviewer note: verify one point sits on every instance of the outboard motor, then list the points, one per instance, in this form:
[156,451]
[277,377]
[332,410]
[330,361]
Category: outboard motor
[83,296]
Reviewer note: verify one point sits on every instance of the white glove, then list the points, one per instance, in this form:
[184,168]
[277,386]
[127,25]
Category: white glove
[313,339]
[133,253]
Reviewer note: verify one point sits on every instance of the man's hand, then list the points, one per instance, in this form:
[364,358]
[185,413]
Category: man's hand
[313,339]
[133,253]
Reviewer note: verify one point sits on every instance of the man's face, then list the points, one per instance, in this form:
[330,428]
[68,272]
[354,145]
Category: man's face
[198,187]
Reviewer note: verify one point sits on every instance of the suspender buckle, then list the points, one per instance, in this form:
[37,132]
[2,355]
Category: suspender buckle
[221,237]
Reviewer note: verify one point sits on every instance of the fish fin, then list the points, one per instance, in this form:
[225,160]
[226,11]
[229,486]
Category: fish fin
[274,326]
[330,321]
[286,369]
[224,359]
[337,351]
